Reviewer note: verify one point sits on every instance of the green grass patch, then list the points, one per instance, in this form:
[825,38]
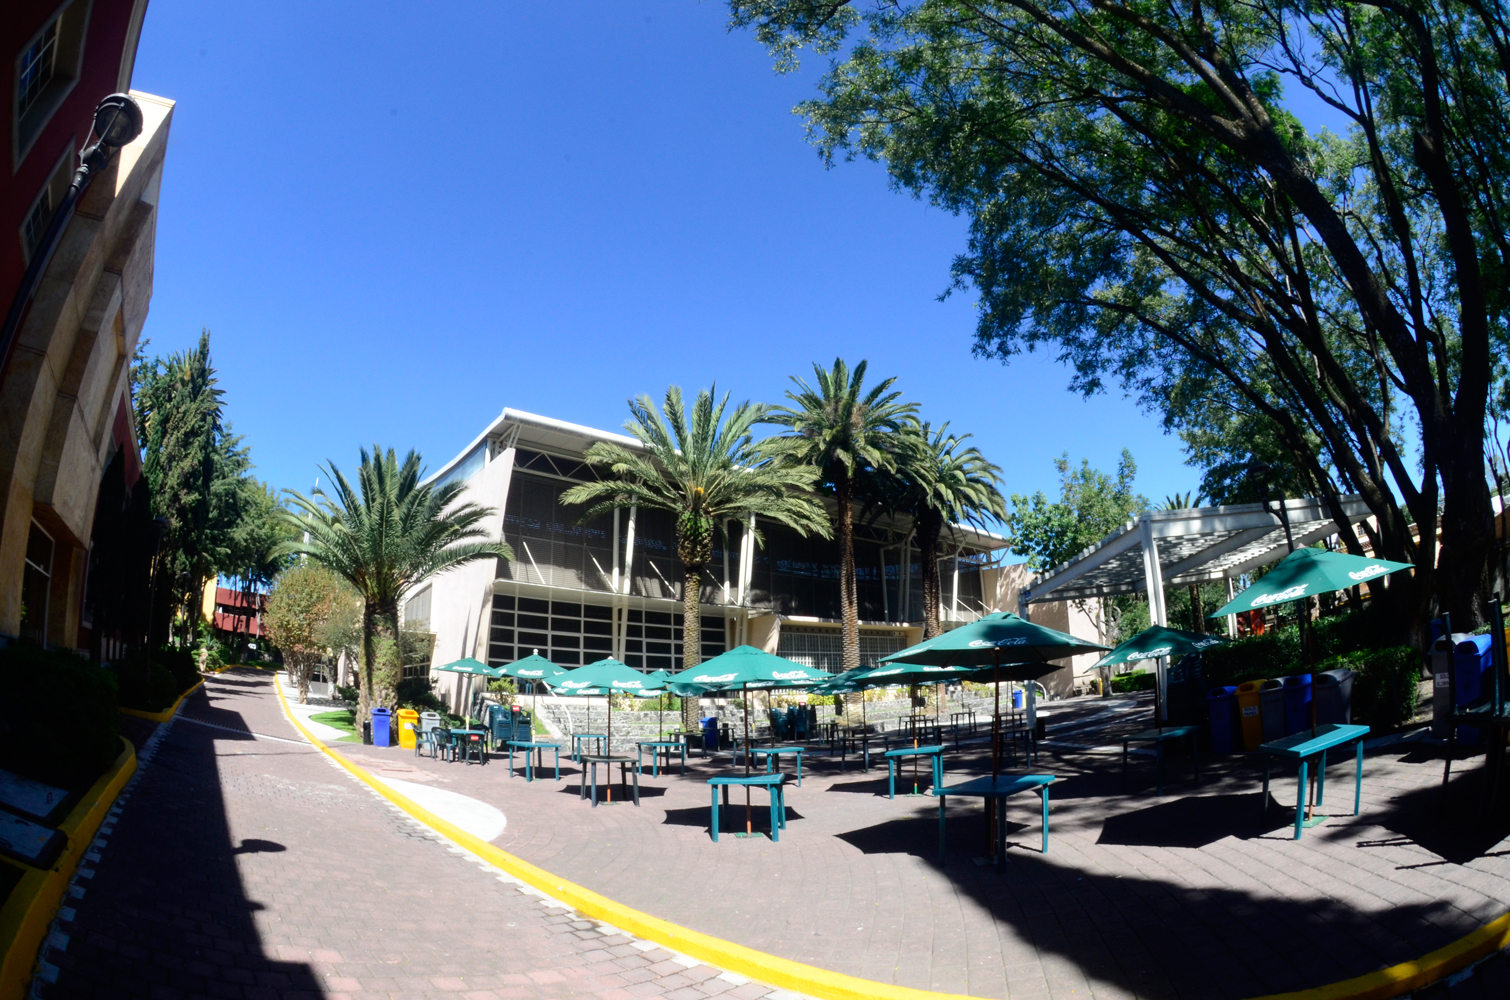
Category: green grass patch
[343,719]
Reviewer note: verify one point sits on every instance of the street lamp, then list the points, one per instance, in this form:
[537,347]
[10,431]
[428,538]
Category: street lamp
[117,121]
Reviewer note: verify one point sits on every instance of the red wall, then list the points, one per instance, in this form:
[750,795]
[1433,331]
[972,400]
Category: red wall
[99,72]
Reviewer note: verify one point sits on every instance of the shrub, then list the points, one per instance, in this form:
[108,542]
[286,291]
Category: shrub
[152,684]
[411,692]
[1138,680]
[61,726]
[1385,684]
[350,693]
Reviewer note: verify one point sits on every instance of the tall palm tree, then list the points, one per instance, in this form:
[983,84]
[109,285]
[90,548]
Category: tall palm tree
[840,429]
[383,538]
[702,472]
[940,481]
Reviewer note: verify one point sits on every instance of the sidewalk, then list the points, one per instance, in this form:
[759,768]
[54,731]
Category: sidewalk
[245,864]
[1185,896]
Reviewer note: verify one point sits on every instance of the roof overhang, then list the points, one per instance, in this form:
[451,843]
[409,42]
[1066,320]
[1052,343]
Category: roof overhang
[1194,546]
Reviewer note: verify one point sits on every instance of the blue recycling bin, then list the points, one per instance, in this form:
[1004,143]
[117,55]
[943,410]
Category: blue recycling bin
[1221,703]
[1472,661]
[1297,703]
[1017,699]
[710,734]
[382,724]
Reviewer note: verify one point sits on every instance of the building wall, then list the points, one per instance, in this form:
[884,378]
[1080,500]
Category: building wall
[64,397]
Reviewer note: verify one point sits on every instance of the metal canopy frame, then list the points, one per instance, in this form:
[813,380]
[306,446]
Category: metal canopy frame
[1180,547]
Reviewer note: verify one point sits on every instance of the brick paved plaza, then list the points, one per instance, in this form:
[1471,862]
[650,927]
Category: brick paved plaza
[250,866]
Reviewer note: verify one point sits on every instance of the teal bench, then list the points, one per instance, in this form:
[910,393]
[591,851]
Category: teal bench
[1302,747]
[998,789]
[894,757]
[1158,737]
[772,783]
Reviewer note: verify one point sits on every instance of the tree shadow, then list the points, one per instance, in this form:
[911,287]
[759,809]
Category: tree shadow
[1450,826]
[252,845]
[1194,821]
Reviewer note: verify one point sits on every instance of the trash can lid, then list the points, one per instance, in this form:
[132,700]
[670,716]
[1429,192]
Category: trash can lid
[407,713]
[1296,680]
[1249,686]
[382,711]
[1221,692]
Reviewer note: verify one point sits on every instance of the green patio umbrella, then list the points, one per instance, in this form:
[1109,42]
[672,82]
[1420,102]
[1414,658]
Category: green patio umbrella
[1158,643]
[746,669]
[471,668]
[533,668]
[1306,573]
[1000,640]
[913,675]
[602,678]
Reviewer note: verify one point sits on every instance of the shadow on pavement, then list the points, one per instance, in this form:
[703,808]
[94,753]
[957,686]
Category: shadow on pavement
[167,913]
[1194,821]
[1450,827]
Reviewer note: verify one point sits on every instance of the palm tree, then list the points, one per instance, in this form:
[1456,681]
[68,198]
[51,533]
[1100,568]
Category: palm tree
[701,472]
[842,431]
[940,481]
[384,539]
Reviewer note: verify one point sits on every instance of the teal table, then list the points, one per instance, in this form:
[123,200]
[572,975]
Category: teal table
[655,761]
[592,760]
[998,790]
[862,743]
[1302,747]
[529,762]
[772,783]
[894,757]
[472,739]
[1158,737]
[772,757]
[576,743]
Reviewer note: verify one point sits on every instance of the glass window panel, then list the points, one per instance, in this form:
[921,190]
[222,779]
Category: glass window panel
[657,618]
[633,646]
[568,609]
[504,602]
[658,647]
[533,639]
[569,641]
[597,628]
[566,624]
[534,606]
[505,618]
[634,660]
[651,632]
[535,622]
[566,658]
[596,611]
[601,644]
[503,635]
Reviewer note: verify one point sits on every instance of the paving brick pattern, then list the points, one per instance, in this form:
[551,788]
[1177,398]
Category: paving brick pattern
[1187,896]
[249,866]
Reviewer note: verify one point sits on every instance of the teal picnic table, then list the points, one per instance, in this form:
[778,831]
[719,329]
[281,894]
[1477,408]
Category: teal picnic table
[529,762]
[1158,737]
[592,760]
[772,757]
[578,738]
[772,783]
[998,790]
[894,757]
[655,747]
[1311,744]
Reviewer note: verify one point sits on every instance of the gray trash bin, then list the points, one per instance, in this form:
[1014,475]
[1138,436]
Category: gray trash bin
[1271,706]
[1333,692]
[428,721]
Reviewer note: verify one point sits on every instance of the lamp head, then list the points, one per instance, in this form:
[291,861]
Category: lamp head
[117,120]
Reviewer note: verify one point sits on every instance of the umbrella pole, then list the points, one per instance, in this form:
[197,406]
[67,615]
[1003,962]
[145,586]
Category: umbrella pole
[996,714]
[745,701]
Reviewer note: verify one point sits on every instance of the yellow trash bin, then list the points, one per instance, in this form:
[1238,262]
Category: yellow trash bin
[408,723]
[1248,711]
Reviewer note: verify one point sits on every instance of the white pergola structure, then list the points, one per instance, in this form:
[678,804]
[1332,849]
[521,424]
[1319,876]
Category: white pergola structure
[1176,548]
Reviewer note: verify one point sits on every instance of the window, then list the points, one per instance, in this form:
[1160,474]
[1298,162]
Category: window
[36,584]
[46,69]
[34,227]
[38,64]
[417,611]
[571,633]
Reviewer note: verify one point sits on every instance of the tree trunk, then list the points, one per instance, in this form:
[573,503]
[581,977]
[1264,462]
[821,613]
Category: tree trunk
[692,639]
[388,664]
[301,663]
[844,523]
[368,667]
[929,527]
[1197,618]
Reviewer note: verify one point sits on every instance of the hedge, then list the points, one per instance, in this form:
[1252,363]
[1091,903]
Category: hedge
[1385,685]
[1138,680]
[154,684]
[60,723]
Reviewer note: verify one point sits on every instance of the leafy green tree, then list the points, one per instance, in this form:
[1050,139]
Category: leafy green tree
[939,482]
[196,469]
[702,468]
[255,555]
[384,536]
[1143,196]
[843,431]
[299,609]
[1091,506]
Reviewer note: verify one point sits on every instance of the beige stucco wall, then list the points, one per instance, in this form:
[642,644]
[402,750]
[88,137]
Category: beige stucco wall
[68,372]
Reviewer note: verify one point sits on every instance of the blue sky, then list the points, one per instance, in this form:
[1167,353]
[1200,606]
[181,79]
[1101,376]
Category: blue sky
[397,225]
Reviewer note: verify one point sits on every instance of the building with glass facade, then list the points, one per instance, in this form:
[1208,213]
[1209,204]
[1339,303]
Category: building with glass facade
[578,590]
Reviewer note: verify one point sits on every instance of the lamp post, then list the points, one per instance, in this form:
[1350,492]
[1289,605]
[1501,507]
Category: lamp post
[117,121]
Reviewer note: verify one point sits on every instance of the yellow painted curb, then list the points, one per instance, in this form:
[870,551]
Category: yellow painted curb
[704,947]
[166,714]
[1397,980]
[33,903]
